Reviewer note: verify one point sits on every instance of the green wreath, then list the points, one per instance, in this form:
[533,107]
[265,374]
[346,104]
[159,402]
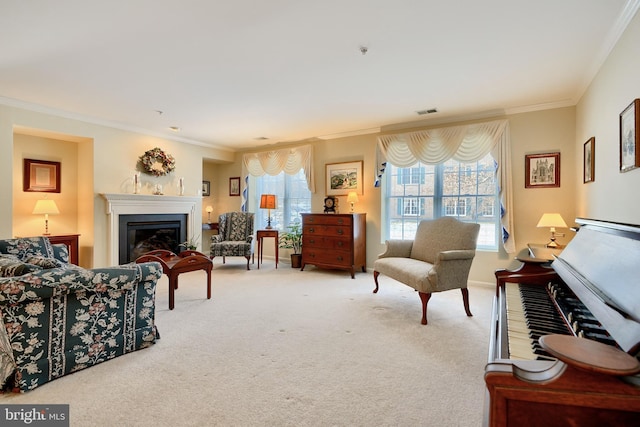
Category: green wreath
[157,163]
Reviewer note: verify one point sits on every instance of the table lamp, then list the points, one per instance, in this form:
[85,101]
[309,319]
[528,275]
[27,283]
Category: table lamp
[209,209]
[552,220]
[352,198]
[46,207]
[268,202]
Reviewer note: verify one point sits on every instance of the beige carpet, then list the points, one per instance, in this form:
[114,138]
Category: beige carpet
[290,348]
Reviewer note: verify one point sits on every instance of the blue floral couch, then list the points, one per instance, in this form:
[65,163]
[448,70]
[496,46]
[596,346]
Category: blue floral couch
[58,318]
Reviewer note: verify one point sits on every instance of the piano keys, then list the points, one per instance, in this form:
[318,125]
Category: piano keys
[591,293]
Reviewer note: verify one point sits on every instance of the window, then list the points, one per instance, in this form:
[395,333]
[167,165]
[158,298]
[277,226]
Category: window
[466,191]
[293,195]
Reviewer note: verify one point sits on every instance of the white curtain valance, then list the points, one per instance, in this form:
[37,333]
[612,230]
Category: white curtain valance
[290,160]
[464,143]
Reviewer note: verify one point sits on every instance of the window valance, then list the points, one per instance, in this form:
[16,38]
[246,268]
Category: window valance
[290,160]
[464,143]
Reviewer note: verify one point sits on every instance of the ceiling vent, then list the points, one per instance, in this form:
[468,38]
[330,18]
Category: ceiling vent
[429,111]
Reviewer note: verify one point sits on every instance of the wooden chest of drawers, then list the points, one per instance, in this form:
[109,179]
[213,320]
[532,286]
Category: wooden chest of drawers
[336,241]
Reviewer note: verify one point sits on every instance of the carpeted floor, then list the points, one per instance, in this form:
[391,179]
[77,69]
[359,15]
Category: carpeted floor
[290,348]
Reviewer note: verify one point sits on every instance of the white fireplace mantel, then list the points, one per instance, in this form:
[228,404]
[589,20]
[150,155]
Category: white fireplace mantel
[132,204]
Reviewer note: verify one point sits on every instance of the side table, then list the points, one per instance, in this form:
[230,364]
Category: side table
[260,235]
[71,241]
[173,265]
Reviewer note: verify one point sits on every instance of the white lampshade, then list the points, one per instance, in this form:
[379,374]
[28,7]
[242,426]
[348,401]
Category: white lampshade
[352,198]
[46,207]
[552,220]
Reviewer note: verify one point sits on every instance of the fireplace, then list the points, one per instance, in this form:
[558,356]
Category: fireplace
[123,205]
[142,233]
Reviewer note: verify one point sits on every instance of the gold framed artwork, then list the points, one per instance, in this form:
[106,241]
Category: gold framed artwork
[629,138]
[206,188]
[41,176]
[542,170]
[341,178]
[234,186]
[589,160]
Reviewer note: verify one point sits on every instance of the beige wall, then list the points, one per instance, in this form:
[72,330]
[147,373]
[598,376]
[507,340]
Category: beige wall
[613,195]
[38,148]
[106,161]
[107,156]
[536,132]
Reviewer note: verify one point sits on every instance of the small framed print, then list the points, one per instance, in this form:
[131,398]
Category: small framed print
[341,178]
[629,138]
[206,188]
[41,176]
[589,160]
[542,170]
[234,186]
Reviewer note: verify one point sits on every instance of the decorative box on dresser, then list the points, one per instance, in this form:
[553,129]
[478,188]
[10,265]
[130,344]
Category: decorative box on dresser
[335,241]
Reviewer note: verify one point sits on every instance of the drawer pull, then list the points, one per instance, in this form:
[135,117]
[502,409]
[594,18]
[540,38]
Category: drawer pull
[340,221]
[339,258]
[312,241]
[312,230]
[340,231]
[341,244]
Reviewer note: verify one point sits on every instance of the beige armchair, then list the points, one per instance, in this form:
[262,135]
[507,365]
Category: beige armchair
[439,259]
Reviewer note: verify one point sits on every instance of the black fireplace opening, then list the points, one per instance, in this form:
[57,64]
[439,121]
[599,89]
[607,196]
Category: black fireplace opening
[142,233]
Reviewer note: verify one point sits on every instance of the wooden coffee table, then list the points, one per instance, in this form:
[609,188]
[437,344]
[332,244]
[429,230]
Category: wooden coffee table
[173,265]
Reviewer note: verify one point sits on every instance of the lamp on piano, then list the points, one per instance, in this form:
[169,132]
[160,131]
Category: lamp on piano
[552,220]
[268,202]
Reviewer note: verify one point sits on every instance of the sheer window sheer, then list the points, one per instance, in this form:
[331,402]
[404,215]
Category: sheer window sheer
[464,143]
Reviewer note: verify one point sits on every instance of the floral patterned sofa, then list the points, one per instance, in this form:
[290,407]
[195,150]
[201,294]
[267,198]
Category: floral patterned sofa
[58,318]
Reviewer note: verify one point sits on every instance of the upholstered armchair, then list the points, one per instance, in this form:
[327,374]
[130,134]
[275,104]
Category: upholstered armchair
[438,259]
[235,236]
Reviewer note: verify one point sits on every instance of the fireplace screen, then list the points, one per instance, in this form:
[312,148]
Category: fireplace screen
[140,234]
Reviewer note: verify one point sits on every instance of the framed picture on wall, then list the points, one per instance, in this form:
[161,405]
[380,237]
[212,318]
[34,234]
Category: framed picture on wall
[41,176]
[629,146]
[234,186]
[542,170]
[589,160]
[342,178]
[206,188]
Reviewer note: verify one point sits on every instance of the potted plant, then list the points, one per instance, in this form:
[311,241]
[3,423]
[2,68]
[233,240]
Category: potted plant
[191,244]
[292,239]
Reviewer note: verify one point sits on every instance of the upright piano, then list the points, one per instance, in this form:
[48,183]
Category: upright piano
[565,336]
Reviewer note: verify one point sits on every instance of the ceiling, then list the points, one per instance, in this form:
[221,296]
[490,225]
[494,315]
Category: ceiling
[229,73]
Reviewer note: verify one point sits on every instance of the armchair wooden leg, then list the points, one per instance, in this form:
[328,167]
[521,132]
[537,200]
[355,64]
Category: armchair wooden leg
[248,257]
[424,297]
[375,278]
[465,300]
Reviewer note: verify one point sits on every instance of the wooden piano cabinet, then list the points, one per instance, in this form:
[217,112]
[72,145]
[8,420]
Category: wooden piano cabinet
[574,398]
[335,241]
[532,270]
[71,241]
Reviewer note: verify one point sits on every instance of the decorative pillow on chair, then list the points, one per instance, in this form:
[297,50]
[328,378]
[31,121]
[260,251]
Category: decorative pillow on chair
[43,262]
[11,266]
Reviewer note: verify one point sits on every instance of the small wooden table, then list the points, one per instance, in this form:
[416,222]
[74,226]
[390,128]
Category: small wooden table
[173,265]
[71,241]
[261,234]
